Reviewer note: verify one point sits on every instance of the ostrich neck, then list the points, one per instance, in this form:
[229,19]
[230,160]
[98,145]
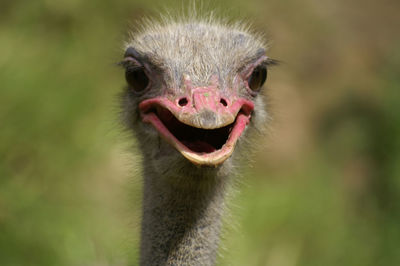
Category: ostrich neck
[181,221]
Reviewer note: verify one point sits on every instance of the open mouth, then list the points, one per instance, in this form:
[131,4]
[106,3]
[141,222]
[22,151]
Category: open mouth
[195,139]
[200,146]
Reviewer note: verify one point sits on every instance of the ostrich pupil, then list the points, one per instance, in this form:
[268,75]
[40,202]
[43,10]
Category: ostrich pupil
[257,78]
[137,79]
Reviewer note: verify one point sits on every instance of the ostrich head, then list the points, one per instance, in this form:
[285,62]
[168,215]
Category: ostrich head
[192,93]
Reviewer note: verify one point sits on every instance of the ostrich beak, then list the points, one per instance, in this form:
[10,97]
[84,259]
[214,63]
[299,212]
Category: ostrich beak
[203,126]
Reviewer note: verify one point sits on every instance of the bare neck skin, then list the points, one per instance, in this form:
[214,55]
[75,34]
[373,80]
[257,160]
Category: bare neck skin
[181,222]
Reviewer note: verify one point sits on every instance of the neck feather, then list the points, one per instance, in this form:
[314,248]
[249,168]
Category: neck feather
[181,220]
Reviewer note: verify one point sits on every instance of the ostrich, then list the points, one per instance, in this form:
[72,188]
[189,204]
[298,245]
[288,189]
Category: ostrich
[192,97]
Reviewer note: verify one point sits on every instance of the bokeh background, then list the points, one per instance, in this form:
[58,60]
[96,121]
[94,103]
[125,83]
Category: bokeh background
[324,186]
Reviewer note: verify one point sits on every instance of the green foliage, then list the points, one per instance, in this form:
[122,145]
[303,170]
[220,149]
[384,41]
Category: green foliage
[324,192]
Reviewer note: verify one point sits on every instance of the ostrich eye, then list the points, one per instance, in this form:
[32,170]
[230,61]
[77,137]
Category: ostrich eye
[136,78]
[257,78]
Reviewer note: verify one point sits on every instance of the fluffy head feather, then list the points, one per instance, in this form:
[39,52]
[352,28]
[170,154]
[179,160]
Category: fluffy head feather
[198,47]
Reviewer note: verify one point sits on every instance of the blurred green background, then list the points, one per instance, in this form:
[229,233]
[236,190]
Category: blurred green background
[323,190]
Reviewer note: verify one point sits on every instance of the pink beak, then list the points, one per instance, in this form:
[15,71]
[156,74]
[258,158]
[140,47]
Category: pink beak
[203,108]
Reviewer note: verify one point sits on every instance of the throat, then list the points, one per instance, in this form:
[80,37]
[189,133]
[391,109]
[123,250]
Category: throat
[180,225]
[199,146]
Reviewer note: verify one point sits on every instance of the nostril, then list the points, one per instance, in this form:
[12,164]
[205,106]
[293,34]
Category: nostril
[183,101]
[223,102]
